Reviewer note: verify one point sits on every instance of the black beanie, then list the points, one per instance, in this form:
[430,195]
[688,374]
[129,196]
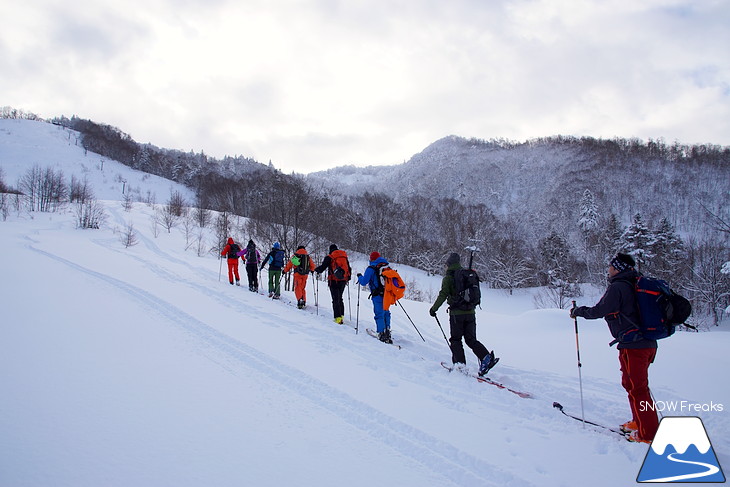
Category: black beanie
[623,262]
[333,247]
[453,259]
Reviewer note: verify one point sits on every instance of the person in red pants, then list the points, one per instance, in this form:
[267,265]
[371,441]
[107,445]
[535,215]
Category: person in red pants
[618,307]
[231,251]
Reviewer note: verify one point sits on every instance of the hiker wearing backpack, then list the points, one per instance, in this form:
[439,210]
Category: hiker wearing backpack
[231,251]
[302,265]
[275,260]
[252,258]
[372,279]
[619,308]
[338,275]
[462,316]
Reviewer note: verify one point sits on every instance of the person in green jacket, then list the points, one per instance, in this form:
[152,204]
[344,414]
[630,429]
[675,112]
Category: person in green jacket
[462,322]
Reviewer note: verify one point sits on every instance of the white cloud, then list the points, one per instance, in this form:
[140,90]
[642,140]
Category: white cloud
[313,84]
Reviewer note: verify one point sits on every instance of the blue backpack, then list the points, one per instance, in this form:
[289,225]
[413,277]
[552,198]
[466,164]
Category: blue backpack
[660,311]
[277,259]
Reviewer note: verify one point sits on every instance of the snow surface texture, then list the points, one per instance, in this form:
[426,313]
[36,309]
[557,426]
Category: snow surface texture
[140,367]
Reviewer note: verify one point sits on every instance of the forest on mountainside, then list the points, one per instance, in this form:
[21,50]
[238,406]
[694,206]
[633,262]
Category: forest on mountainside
[549,212]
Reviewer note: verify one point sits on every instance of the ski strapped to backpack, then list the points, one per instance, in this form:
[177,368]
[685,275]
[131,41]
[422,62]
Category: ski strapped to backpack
[391,285]
[660,311]
[468,293]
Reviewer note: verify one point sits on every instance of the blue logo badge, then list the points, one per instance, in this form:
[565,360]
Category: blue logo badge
[681,452]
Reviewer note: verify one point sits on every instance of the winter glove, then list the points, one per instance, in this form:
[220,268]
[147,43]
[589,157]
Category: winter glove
[432,312]
[578,312]
[359,275]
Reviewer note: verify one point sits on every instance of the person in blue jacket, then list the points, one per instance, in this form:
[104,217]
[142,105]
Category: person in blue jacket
[371,278]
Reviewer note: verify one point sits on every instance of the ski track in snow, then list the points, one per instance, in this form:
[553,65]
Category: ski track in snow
[442,458]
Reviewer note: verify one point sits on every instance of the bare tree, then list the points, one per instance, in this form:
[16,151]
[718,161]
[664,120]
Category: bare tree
[45,189]
[129,236]
[709,286]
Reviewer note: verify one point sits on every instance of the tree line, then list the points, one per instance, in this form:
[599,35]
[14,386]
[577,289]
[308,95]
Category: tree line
[515,250]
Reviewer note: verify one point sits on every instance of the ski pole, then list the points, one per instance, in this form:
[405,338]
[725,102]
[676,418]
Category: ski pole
[220,268]
[442,332]
[349,306]
[316,293]
[357,316]
[409,319]
[580,375]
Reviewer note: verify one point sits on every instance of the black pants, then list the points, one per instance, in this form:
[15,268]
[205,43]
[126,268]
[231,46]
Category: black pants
[252,273]
[465,326]
[337,288]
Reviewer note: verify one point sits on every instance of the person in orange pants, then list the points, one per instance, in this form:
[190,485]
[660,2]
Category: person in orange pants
[302,265]
[231,251]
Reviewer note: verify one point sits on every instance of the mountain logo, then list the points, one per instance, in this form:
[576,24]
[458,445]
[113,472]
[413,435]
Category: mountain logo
[681,452]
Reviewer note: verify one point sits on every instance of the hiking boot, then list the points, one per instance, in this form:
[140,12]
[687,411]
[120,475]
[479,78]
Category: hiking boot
[487,363]
[301,304]
[385,337]
[271,295]
[635,438]
[340,320]
[629,427]
[238,283]
[277,296]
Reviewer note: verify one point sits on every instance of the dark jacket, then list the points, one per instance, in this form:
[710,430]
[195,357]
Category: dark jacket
[448,291]
[618,307]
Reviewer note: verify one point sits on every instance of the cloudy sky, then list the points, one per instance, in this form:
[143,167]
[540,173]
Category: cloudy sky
[312,84]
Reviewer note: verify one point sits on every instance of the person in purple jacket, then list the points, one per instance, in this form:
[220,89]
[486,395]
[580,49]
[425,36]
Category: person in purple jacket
[252,258]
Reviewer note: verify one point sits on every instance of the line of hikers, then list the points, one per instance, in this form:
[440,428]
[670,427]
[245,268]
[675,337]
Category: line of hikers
[635,356]
[336,263]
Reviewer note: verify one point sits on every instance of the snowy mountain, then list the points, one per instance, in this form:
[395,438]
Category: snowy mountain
[546,177]
[142,366]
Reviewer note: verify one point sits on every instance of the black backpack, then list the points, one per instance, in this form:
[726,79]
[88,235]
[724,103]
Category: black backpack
[467,292]
[303,266]
[251,255]
[233,250]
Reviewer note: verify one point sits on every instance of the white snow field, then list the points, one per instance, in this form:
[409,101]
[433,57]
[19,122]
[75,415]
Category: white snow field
[139,367]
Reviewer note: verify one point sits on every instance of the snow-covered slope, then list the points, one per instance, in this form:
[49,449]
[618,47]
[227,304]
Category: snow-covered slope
[24,143]
[142,366]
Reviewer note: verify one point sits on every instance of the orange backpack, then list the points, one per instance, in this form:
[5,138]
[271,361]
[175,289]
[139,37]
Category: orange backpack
[340,267]
[394,286]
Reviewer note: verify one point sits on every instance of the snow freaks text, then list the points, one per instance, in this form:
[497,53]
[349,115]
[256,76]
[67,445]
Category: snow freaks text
[685,407]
